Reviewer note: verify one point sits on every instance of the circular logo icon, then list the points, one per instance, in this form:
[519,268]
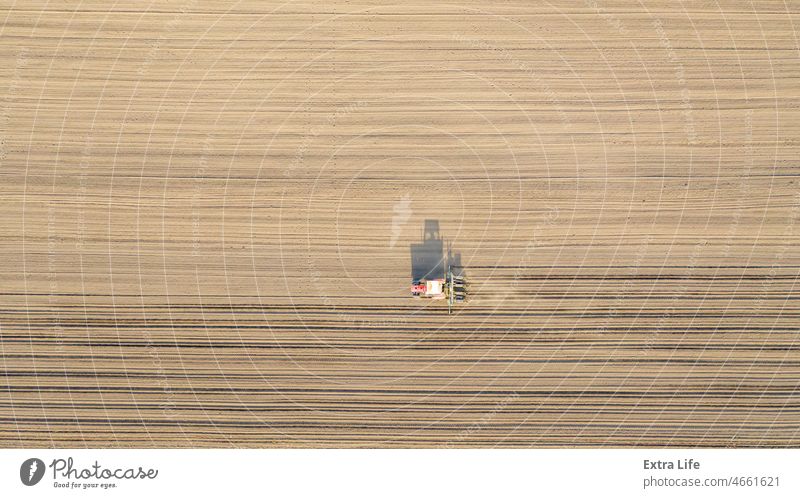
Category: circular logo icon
[31,471]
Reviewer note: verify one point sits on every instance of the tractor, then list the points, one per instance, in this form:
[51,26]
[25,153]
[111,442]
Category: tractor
[429,280]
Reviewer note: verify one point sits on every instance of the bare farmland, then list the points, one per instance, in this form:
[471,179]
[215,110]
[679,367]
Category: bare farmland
[208,211]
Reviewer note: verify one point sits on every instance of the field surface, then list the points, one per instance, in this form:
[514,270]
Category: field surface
[211,214]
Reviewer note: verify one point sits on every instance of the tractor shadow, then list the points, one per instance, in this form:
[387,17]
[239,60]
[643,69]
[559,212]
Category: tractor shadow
[428,259]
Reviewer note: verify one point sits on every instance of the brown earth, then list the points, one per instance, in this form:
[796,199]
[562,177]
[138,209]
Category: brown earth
[208,210]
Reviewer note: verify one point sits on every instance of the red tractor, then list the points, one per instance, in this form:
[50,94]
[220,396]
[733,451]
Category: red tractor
[429,280]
